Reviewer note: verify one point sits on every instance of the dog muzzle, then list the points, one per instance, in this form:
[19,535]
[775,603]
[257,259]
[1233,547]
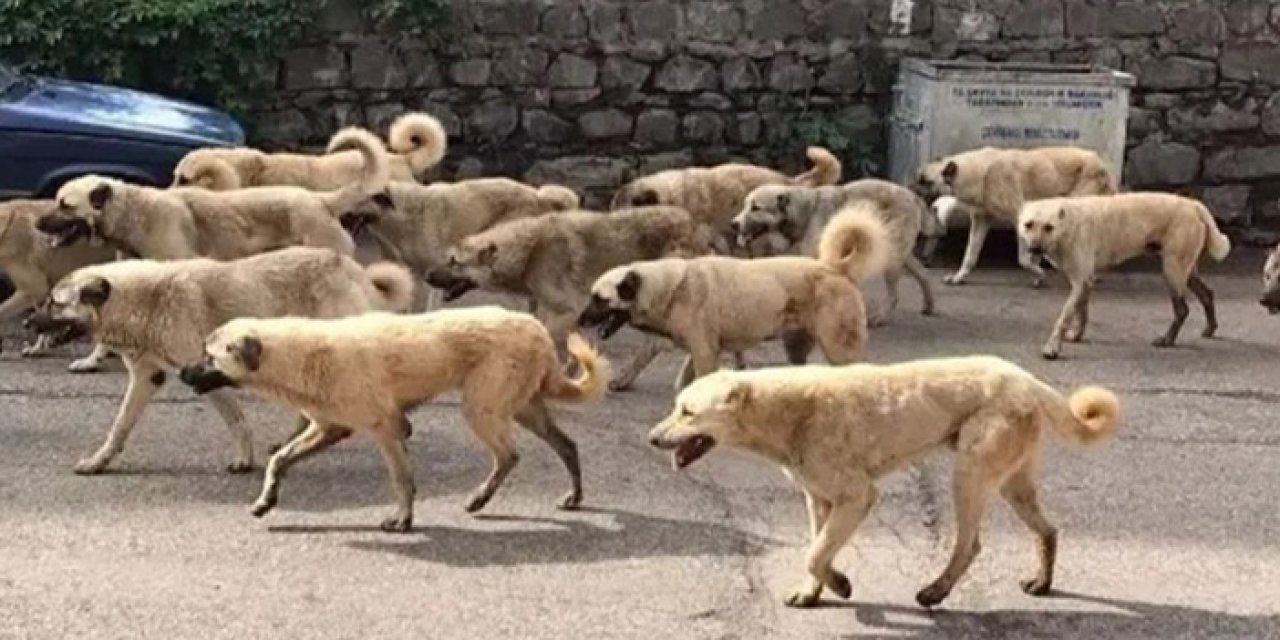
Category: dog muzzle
[355,223]
[203,378]
[607,320]
[64,229]
[684,451]
[59,331]
[454,287]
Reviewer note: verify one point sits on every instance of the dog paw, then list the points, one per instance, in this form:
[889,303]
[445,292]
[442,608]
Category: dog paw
[1036,587]
[84,365]
[32,351]
[932,595]
[476,502]
[620,385]
[397,524]
[262,507]
[1049,353]
[1162,342]
[1208,332]
[89,466]
[876,321]
[954,280]
[839,584]
[570,502]
[239,467]
[802,598]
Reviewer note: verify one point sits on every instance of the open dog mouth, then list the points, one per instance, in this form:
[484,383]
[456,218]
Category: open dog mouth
[59,332]
[203,378]
[63,229]
[607,321]
[750,231]
[1271,305]
[355,223]
[690,450]
[453,286]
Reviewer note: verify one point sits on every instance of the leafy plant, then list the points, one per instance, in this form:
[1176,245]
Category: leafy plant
[857,151]
[408,19]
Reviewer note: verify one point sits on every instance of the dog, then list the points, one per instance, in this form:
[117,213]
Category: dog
[364,373]
[993,183]
[34,267]
[190,222]
[1270,299]
[553,259]
[418,140]
[710,304]
[836,430]
[1085,235]
[713,195]
[155,314]
[799,215]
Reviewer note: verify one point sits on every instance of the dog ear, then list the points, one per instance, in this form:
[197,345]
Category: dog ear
[251,353]
[646,198]
[487,254]
[949,172]
[383,199]
[95,292]
[629,287]
[99,196]
[739,395]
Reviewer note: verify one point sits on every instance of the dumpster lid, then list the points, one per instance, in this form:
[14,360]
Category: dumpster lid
[1016,72]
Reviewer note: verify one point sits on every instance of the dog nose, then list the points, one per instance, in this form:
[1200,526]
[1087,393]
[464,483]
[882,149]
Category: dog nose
[655,440]
[735,226]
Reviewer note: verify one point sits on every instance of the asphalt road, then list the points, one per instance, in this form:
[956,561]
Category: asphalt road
[1168,531]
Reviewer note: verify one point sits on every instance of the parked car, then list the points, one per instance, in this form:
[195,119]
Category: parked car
[54,130]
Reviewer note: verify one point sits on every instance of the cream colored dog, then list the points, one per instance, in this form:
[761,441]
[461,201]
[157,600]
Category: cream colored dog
[836,430]
[155,314]
[714,304]
[418,140]
[193,222]
[992,184]
[800,214]
[364,373]
[1085,235]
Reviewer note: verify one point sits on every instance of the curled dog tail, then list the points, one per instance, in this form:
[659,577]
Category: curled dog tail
[420,138]
[825,171]
[1216,244]
[1089,416]
[377,166]
[210,172]
[394,284]
[590,386]
[553,197]
[855,242]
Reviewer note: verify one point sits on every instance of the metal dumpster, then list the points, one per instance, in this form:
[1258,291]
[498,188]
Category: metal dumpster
[945,107]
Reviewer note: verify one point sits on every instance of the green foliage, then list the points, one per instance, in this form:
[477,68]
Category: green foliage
[856,150]
[212,51]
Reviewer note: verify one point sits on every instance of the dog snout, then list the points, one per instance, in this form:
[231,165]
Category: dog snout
[439,278]
[735,226]
[38,321]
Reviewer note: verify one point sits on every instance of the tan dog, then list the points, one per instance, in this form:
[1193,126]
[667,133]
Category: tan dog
[799,215]
[364,373]
[713,195]
[836,430]
[1271,282]
[193,222]
[418,140]
[992,184]
[34,267]
[553,259]
[1085,235]
[713,304]
[156,315]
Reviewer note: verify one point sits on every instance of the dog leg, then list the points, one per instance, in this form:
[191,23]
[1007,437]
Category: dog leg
[705,358]
[38,349]
[314,439]
[798,345]
[394,449]
[918,273]
[496,435]
[881,316]
[142,387]
[739,360]
[300,424]
[649,349]
[685,376]
[1053,347]
[807,595]
[978,228]
[1080,319]
[843,518]
[1176,277]
[233,417]
[1205,295]
[92,362]
[537,419]
[1030,263]
[1019,491]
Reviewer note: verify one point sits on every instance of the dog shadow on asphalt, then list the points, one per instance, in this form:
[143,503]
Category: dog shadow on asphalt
[1126,619]
[568,540]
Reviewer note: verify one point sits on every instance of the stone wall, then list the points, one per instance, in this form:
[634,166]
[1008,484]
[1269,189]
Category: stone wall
[589,92]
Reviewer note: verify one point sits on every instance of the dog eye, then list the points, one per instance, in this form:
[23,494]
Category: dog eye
[685,412]
[1029,226]
[1048,228]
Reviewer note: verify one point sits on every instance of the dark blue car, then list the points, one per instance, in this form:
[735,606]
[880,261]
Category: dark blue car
[54,130]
